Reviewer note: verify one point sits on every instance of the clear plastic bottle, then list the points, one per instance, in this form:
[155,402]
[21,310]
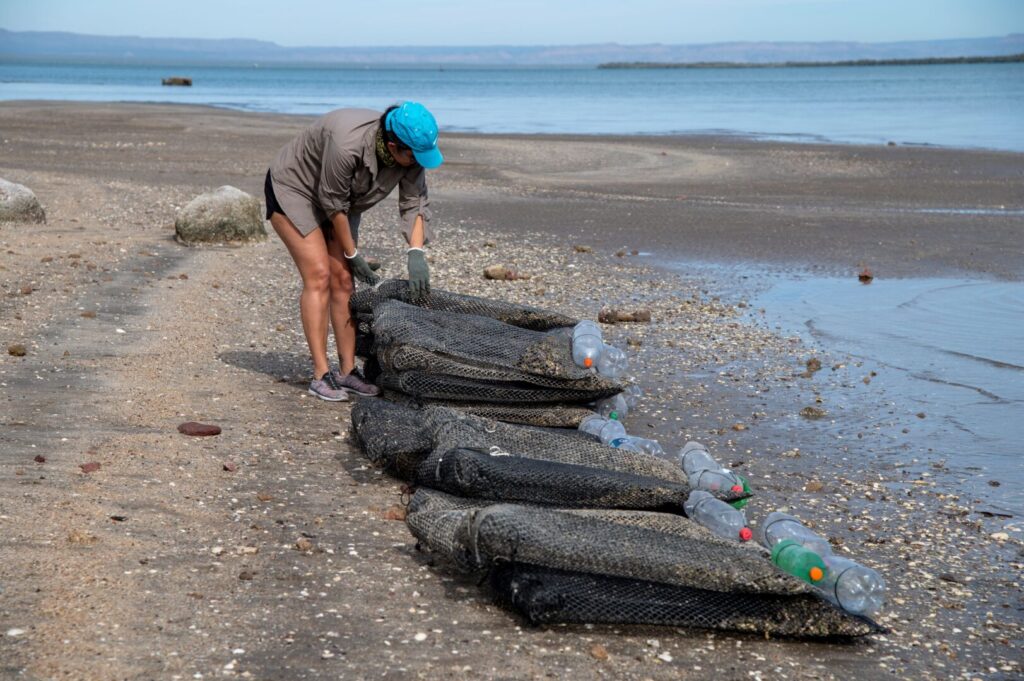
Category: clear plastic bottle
[592,425]
[717,516]
[703,472]
[694,457]
[641,444]
[632,396]
[604,429]
[586,326]
[614,407]
[626,444]
[612,362]
[853,587]
[778,526]
[587,346]
[798,561]
[715,481]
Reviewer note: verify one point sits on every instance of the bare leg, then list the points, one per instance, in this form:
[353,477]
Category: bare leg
[341,317]
[310,256]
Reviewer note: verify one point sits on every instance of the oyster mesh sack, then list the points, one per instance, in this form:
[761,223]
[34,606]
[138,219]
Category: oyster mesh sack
[558,415]
[481,459]
[365,300]
[430,354]
[555,565]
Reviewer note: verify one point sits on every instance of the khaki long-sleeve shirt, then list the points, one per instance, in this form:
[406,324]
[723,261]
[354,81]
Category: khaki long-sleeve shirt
[332,167]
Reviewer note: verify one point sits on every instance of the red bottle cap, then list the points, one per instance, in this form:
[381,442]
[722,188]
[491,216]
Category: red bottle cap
[736,488]
[746,534]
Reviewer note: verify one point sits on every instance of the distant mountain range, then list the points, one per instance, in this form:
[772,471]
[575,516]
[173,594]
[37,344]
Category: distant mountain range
[35,45]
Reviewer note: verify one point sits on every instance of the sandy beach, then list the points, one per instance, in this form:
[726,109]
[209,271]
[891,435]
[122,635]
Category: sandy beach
[163,564]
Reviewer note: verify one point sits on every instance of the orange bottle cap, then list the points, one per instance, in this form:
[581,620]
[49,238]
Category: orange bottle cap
[816,574]
[588,362]
[746,534]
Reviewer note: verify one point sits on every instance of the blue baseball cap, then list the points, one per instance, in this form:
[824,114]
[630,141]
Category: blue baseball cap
[417,129]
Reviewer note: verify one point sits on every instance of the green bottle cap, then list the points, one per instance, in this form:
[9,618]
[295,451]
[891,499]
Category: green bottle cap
[799,561]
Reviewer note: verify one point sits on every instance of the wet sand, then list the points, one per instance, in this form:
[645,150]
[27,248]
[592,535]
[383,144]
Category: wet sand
[162,564]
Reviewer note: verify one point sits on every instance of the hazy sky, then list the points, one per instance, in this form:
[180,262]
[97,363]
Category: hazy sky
[521,22]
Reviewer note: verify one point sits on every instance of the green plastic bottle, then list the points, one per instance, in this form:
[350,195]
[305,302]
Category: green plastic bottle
[798,561]
[740,503]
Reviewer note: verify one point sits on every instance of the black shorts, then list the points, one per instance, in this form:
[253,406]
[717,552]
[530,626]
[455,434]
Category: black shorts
[274,207]
[268,193]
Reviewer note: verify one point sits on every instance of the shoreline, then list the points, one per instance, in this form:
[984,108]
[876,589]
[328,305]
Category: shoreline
[212,335]
[711,136]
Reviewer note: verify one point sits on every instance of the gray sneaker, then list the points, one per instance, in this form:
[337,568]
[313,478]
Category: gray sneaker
[328,388]
[356,383]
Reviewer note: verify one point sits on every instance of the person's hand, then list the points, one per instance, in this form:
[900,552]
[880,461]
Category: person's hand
[419,274]
[361,269]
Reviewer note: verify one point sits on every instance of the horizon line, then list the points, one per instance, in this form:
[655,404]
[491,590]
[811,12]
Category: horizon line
[520,45]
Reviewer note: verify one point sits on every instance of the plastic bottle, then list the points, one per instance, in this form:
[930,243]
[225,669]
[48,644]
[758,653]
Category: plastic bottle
[614,407]
[626,444]
[738,504]
[586,325]
[612,362]
[715,481]
[592,425]
[703,472]
[853,587]
[632,396]
[604,429]
[586,349]
[778,526]
[640,444]
[798,561]
[717,516]
[694,457]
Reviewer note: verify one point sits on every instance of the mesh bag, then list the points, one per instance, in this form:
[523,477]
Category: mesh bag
[452,429]
[475,458]
[390,435]
[449,356]
[586,566]
[558,417]
[548,596]
[394,435]
[497,475]
[364,301]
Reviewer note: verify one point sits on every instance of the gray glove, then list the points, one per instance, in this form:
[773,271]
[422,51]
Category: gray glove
[419,274]
[361,270]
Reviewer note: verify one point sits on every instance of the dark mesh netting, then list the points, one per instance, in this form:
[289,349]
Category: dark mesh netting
[496,475]
[390,435]
[582,566]
[569,529]
[447,356]
[548,596]
[557,416]
[501,462]
[453,429]
[364,301]
[646,547]
[388,432]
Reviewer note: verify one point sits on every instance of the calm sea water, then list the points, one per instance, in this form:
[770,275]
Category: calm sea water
[951,350]
[975,105]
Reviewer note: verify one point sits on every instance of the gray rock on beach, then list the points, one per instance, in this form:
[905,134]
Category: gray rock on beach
[226,215]
[19,204]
